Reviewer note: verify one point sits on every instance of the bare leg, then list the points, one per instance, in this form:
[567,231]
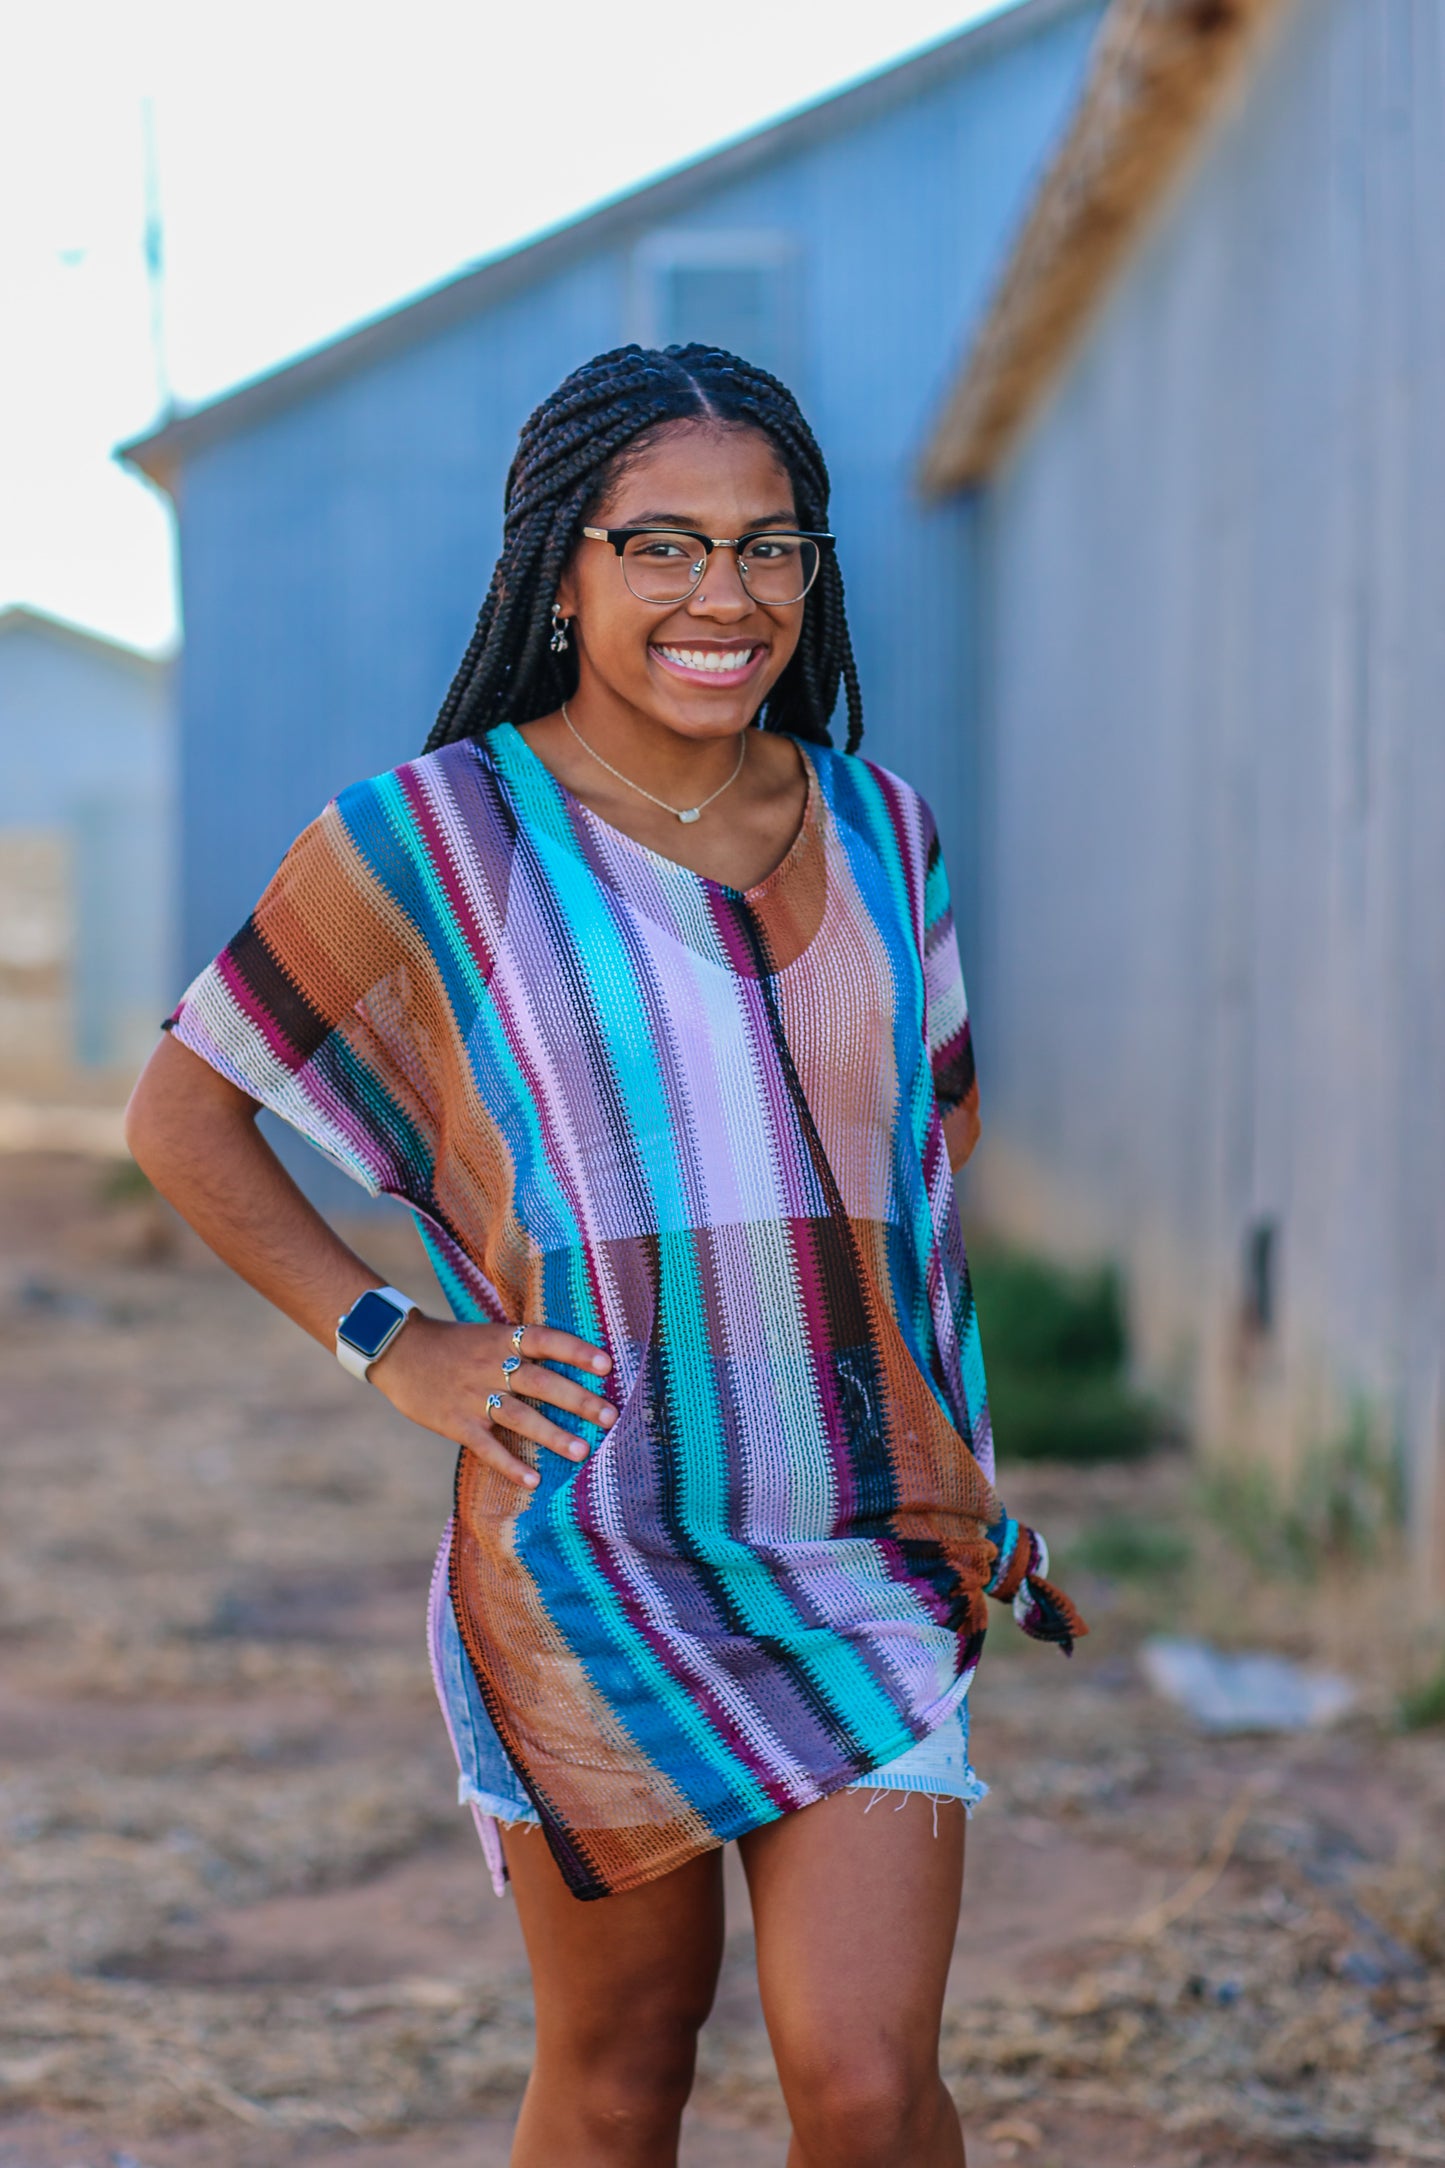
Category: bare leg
[856,1912]
[622,1986]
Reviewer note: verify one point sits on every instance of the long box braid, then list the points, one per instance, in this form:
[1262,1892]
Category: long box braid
[571,450]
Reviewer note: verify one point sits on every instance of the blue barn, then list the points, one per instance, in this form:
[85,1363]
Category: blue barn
[339,518]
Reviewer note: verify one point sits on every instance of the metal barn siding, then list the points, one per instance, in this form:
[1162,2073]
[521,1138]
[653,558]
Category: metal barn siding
[900,228]
[1214,664]
[333,559]
[335,545]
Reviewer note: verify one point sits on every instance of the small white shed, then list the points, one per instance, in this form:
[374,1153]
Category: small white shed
[85,856]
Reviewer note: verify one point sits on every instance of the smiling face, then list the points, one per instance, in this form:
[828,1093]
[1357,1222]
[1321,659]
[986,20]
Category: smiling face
[702,667]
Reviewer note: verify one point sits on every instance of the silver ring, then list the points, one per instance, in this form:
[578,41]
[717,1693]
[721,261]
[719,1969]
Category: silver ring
[494,1401]
[510,1363]
[517,1332]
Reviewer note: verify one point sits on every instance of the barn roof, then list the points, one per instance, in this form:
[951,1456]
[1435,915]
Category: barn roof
[163,451]
[1161,70]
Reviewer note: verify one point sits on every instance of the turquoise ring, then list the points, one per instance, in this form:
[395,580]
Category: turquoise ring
[494,1401]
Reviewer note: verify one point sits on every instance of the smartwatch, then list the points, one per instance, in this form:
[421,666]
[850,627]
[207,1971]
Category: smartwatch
[370,1326]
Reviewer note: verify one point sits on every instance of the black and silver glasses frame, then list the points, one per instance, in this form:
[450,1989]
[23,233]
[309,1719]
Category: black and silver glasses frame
[812,557]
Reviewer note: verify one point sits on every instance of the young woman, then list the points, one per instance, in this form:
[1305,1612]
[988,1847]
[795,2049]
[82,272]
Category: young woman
[648,1004]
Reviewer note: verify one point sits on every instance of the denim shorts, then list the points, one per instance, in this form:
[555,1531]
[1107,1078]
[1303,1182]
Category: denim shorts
[937,1765]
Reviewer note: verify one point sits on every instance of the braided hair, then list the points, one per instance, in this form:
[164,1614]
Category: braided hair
[571,450]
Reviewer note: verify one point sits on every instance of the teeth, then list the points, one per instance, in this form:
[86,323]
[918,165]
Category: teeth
[708,658]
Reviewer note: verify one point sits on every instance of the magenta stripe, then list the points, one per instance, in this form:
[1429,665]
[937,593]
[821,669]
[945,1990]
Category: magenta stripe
[261,1020]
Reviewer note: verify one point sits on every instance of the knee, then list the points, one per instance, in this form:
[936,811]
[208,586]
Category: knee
[864,2106]
[627,2101]
[630,2080]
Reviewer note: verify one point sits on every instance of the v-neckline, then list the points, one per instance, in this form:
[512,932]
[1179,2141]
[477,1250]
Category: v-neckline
[512,737]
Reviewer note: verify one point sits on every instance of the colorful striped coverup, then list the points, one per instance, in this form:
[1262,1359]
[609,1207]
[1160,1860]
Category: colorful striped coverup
[713,1131]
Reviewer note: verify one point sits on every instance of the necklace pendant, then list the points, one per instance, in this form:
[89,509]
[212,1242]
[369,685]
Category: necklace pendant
[694,813]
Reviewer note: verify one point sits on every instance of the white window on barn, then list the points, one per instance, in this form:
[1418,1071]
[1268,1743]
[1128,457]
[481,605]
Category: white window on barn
[736,290]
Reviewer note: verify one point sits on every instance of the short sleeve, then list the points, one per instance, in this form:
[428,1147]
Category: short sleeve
[946,1025]
[308,1009]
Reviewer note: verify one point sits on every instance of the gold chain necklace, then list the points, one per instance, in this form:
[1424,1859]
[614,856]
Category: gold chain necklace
[692,812]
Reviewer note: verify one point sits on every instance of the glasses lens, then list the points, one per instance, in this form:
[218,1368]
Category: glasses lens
[779,567]
[661,567]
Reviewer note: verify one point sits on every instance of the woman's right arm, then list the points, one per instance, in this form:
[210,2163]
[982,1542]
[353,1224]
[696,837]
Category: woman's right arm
[193,1133]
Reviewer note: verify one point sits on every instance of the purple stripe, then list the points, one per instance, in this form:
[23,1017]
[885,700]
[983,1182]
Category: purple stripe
[677,1662]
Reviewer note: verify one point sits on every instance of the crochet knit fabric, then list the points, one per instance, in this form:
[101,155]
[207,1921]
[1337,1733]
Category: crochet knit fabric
[711,1130]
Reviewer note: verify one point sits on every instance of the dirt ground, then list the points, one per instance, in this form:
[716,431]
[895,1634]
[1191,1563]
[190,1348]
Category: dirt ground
[244,1922]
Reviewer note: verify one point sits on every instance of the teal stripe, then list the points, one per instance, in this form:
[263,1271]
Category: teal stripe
[701,1473]
[617,1016]
[936,898]
[975,1385]
[501,1084]
[387,1126]
[465,970]
[464,1304]
[630,1646]
[863,805]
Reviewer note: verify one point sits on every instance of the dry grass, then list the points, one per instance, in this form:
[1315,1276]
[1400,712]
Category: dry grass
[227,1790]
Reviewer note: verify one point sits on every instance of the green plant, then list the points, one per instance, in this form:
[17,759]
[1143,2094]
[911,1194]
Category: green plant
[1344,1504]
[1422,1706]
[1241,1498]
[1068,1415]
[1043,1316]
[1128,1550]
[1349,1497]
[1055,1346]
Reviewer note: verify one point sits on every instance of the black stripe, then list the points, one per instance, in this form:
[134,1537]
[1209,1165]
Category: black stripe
[281,998]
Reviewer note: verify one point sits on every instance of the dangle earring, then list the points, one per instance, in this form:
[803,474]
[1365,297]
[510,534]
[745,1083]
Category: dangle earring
[558,641]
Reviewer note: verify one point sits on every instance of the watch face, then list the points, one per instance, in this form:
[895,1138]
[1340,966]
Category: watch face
[370,1323]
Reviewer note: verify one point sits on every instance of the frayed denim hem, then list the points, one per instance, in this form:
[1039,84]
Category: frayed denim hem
[509,1816]
[974,1790]
[492,1814]
[505,1811]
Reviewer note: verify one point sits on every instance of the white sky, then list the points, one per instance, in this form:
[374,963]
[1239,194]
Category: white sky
[317,162]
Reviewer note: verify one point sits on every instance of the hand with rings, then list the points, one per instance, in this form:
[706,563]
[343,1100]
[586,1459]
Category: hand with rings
[468,1381]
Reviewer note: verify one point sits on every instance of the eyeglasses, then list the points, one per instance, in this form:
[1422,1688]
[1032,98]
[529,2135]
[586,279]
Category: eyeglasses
[666,564]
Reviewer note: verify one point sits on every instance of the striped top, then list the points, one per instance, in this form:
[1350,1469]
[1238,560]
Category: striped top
[711,1130]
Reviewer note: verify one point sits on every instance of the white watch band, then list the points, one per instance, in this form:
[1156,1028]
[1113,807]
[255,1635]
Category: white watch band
[353,1358]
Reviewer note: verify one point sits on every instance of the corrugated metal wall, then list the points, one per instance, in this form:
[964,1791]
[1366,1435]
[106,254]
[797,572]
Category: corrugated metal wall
[1214,659]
